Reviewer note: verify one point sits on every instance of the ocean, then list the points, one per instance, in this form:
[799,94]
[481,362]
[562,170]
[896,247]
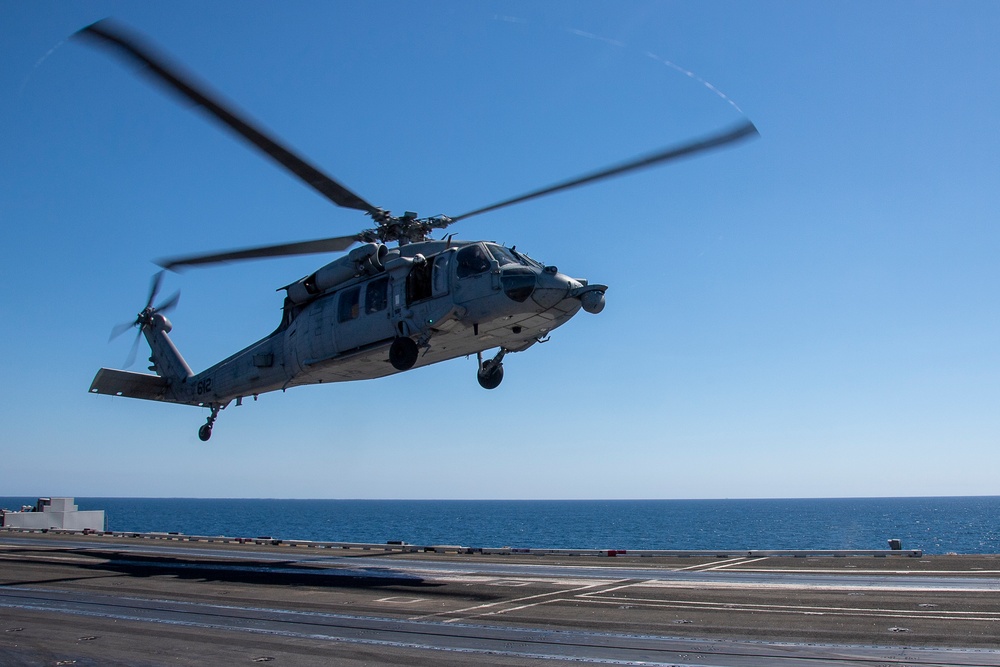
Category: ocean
[961,525]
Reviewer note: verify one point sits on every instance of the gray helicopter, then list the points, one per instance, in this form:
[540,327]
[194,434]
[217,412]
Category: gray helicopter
[376,310]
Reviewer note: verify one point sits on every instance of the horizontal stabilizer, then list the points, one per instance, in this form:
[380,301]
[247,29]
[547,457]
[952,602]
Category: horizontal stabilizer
[126,383]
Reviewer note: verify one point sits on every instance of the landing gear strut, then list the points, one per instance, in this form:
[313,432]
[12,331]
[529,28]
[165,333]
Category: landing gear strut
[205,432]
[490,373]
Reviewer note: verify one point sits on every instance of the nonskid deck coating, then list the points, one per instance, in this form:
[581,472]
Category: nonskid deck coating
[128,601]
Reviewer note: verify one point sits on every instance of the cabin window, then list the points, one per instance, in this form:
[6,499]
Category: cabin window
[349,306]
[377,295]
[472,260]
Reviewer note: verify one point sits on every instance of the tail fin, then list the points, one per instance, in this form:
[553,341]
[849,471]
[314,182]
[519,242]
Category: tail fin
[168,363]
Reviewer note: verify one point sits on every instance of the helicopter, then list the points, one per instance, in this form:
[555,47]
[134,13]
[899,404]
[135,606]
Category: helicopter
[378,309]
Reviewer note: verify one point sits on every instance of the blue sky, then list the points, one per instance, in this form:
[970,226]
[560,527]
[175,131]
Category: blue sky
[812,314]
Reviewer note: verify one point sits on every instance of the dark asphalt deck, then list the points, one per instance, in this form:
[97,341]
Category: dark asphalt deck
[90,600]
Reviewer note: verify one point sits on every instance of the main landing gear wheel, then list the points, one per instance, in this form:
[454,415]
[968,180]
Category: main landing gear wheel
[490,373]
[492,378]
[403,354]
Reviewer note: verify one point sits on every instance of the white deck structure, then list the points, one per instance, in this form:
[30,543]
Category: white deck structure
[50,513]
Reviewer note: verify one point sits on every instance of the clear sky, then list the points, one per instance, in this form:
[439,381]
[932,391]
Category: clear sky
[811,314]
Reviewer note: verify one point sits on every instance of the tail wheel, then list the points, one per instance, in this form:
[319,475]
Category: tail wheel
[205,432]
[403,354]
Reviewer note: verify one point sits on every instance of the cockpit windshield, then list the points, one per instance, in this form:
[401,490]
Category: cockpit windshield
[509,256]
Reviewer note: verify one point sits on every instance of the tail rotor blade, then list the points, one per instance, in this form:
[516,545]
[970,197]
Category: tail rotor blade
[133,353]
[119,329]
[154,287]
[169,304]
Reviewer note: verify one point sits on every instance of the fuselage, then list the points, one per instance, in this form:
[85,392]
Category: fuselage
[453,299]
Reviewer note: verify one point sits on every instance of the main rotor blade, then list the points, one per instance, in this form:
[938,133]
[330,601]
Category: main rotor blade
[742,131]
[170,75]
[335,244]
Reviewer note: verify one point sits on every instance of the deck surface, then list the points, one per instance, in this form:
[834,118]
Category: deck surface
[95,600]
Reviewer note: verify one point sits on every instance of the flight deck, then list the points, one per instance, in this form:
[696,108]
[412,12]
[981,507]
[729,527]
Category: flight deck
[155,599]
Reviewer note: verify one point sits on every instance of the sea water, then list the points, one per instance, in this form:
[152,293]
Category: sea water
[936,525]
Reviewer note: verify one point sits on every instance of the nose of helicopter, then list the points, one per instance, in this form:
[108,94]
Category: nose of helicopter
[551,287]
[548,288]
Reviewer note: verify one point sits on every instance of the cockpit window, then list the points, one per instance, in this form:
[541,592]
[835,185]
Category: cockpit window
[472,260]
[509,256]
[527,261]
[518,282]
[502,255]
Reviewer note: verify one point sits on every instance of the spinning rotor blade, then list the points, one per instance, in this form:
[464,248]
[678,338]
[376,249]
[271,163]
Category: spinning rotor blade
[402,229]
[133,351]
[742,131]
[172,77]
[165,307]
[144,316]
[169,304]
[119,329]
[154,287]
[335,244]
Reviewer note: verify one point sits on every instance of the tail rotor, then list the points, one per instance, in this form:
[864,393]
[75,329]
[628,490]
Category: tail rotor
[145,315]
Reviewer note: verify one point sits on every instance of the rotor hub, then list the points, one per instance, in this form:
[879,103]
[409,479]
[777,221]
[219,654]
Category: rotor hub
[404,229]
